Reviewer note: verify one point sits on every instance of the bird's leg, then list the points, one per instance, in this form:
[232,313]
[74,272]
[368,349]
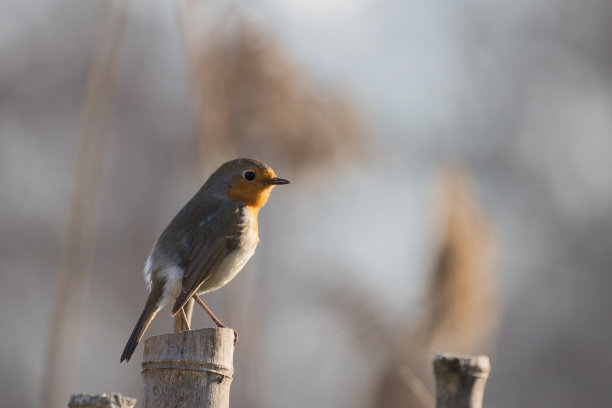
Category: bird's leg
[184,318]
[212,316]
[207,310]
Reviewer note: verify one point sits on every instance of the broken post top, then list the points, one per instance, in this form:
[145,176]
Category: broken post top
[475,366]
[111,400]
[188,369]
[460,380]
[210,349]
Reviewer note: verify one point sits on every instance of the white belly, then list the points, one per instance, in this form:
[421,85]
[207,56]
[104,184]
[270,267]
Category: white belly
[235,260]
[225,272]
[229,268]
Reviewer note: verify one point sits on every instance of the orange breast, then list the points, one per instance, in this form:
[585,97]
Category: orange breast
[250,194]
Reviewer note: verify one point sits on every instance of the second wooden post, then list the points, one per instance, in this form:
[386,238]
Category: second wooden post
[460,380]
[188,369]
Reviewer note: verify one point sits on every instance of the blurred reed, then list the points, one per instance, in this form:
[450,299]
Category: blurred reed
[458,313]
[461,303]
[251,98]
[78,240]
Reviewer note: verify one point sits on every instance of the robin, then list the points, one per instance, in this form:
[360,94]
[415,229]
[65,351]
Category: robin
[207,243]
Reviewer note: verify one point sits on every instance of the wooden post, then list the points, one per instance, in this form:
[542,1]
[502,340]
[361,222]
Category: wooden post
[460,380]
[188,369]
[112,400]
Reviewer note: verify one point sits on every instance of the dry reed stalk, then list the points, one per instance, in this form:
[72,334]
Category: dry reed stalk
[250,98]
[79,233]
[461,302]
[460,309]
[391,347]
[358,312]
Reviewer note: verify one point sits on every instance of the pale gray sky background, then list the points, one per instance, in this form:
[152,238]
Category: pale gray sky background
[519,92]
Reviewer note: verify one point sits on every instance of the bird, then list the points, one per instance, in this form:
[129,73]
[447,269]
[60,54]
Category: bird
[207,242]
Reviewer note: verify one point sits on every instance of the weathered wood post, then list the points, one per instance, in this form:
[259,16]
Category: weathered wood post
[188,369]
[111,400]
[460,380]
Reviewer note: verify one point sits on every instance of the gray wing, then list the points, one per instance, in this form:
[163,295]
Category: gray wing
[213,241]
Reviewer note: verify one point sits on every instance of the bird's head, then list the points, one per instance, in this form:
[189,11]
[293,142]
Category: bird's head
[247,180]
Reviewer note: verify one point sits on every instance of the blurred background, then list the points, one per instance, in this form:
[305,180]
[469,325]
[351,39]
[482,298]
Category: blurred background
[450,168]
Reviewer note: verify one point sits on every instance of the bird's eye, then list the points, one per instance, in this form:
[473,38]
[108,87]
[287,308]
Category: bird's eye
[248,175]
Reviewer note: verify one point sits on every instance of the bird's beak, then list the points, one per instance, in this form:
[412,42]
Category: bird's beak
[276,181]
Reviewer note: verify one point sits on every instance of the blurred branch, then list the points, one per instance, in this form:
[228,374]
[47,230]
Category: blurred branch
[416,386]
[79,234]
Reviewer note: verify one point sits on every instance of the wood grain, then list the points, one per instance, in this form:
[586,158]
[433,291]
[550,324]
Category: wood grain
[188,369]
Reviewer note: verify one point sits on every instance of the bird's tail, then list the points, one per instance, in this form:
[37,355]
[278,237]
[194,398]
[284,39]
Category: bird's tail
[147,315]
